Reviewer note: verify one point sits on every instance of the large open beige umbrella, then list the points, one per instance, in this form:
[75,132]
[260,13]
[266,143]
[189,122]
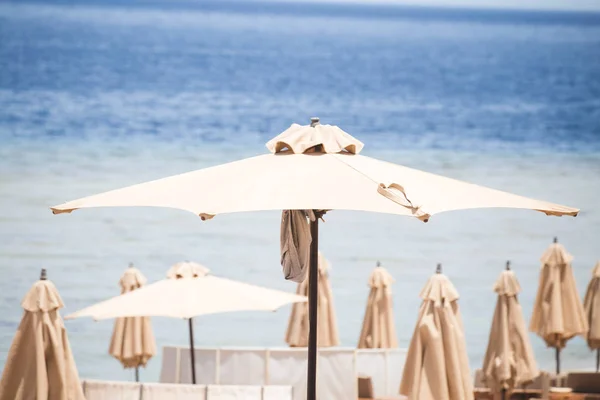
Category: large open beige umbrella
[297,331]
[437,366]
[189,291]
[591,304]
[558,314]
[312,167]
[40,364]
[509,361]
[378,328]
[132,341]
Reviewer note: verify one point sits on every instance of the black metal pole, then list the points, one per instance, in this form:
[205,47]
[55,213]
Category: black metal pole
[313,291]
[137,374]
[557,361]
[597,360]
[192,359]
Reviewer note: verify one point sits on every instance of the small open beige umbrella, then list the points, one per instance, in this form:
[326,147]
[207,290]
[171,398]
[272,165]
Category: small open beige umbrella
[40,364]
[378,329]
[298,325]
[132,341]
[437,367]
[592,311]
[558,314]
[509,361]
[189,291]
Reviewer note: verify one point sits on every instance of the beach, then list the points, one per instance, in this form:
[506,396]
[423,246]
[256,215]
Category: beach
[95,97]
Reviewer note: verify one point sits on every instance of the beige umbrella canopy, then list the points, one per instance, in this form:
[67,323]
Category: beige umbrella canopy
[437,367]
[189,291]
[40,364]
[509,360]
[132,341]
[558,314]
[298,325]
[313,167]
[378,329]
[592,310]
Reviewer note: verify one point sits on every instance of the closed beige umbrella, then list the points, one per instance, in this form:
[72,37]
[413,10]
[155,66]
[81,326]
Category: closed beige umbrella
[437,367]
[312,167]
[592,311]
[40,365]
[132,341]
[297,331]
[509,361]
[378,329]
[558,314]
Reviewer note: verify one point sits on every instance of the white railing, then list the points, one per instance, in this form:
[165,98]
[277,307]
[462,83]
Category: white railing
[111,390]
[338,369]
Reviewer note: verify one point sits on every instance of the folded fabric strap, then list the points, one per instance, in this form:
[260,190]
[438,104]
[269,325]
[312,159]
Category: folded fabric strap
[397,194]
[295,243]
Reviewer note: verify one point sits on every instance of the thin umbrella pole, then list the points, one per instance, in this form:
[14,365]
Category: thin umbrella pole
[557,361]
[137,374]
[313,291]
[192,359]
[597,360]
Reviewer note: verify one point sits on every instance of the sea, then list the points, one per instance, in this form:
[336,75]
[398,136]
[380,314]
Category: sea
[97,95]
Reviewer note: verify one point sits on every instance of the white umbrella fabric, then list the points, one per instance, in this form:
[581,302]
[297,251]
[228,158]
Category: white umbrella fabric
[312,167]
[189,291]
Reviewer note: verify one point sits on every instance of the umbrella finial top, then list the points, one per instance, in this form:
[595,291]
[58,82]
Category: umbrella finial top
[43,275]
[314,138]
[438,269]
[508,265]
[555,239]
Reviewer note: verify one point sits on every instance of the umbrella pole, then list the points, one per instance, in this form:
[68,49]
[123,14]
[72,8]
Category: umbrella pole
[597,360]
[313,290]
[503,394]
[557,361]
[192,359]
[137,374]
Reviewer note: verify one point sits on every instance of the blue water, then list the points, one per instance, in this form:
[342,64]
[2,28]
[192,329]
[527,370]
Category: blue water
[96,95]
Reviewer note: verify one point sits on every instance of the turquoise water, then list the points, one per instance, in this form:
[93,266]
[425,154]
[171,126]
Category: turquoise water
[94,97]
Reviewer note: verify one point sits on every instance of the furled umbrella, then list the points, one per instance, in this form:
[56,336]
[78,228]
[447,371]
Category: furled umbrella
[378,328]
[297,330]
[437,366]
[132,341]
[313,167]
[40,364]
[592,311]
[509,361]
[189,291]
[558,314]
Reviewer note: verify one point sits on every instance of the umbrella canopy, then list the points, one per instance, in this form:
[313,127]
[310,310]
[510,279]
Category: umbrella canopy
[40,364]
[509,361]
[558,314]
[378,329]
[297,331]
[437,367]
[312,167]
[189,291]
[592,310]
[132,341]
